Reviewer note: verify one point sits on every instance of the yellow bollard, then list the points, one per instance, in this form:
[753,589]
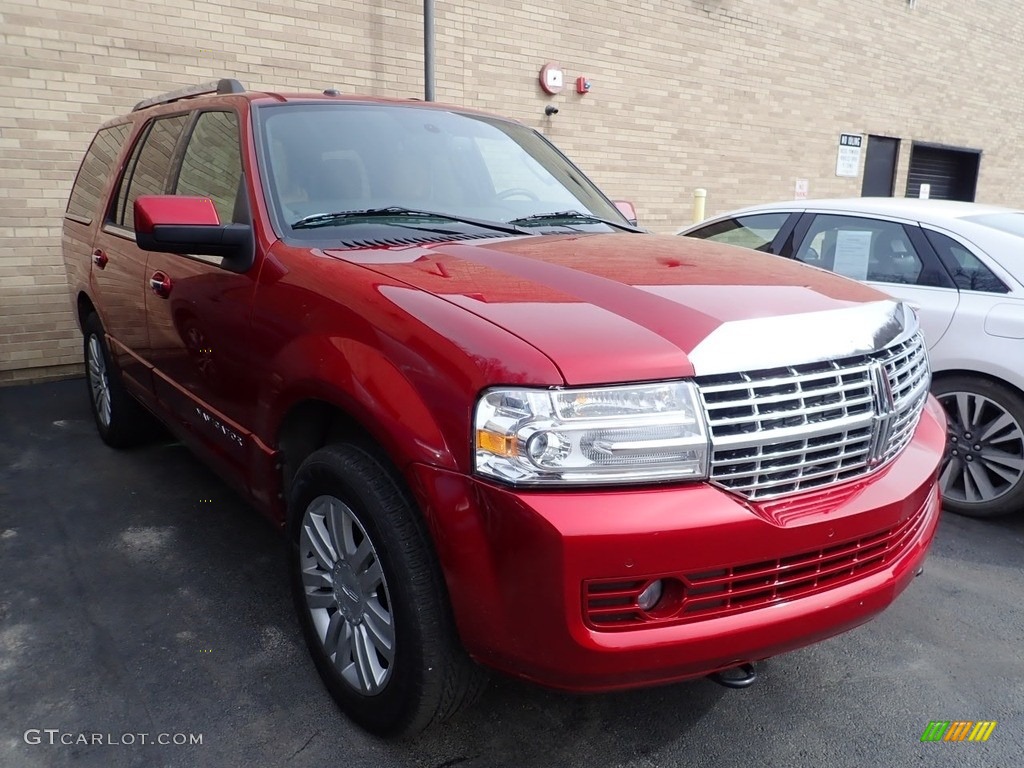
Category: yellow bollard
[699,197]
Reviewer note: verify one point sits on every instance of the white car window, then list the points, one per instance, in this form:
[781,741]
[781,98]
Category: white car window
[968,271]
[861,249]
[755,231]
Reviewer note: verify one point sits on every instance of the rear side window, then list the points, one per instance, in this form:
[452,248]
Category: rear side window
[149,168]
[756,231]
[95,170]
[864,249]
[212,166]
[968,272]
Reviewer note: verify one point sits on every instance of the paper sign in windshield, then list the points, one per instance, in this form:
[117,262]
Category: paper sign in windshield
[853,250]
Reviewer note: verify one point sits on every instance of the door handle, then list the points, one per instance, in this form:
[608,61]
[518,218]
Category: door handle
[161,284]
[99,258]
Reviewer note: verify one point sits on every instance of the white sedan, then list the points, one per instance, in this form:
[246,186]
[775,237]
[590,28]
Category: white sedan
[961,266]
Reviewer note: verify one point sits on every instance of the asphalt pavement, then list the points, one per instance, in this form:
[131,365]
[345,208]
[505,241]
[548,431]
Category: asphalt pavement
[142,601]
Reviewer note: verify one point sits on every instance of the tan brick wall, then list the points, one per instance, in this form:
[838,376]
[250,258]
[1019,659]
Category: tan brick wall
[741,97]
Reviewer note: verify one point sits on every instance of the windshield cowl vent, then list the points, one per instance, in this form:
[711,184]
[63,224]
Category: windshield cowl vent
[399,242]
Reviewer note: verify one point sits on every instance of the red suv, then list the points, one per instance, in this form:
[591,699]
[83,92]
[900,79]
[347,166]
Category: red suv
[499,424]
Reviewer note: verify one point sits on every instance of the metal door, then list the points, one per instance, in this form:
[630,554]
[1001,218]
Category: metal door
[880,167]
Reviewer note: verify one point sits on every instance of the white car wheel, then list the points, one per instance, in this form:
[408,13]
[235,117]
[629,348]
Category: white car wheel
[982,474]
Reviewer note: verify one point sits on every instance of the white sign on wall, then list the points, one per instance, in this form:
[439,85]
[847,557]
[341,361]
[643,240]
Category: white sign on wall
[800,190]
[848,159]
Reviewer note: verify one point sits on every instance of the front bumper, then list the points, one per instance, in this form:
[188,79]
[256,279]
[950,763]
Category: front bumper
[516,564]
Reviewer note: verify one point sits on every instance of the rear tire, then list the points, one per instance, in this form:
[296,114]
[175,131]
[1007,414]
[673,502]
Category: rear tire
[370,597]
[982,472]
[120,420]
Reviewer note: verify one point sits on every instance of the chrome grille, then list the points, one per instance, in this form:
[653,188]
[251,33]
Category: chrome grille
[909,377]
[785,430]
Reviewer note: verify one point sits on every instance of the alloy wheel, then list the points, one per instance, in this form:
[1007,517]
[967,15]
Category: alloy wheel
[347,595]
[99,382]
[985,451]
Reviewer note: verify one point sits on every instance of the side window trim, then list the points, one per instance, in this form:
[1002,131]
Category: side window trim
[179,151]
[778,244]
[796,235]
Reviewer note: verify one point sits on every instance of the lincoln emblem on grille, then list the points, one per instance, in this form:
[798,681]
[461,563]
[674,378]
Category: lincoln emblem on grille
[885,412]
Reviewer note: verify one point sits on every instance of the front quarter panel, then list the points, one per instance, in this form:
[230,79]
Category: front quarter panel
[407,366]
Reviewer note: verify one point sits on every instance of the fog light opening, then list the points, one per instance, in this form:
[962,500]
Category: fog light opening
[652,593]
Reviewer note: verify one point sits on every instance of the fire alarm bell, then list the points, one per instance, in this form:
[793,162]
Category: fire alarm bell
[582,85]
[551,78]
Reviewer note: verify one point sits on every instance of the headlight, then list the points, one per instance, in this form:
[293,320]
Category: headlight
[625,434]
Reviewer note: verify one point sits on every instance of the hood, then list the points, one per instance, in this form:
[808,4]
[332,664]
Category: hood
[625,307]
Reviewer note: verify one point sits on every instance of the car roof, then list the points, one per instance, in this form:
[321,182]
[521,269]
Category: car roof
[200,99]
[932,211]
[198,96]
[305,97]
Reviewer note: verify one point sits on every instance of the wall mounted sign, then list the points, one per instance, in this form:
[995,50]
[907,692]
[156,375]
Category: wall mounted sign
[848,159]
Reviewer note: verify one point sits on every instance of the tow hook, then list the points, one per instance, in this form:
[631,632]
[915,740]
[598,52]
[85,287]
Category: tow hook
[742,676]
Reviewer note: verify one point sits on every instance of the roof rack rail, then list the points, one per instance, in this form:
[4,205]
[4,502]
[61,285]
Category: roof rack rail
[224,85]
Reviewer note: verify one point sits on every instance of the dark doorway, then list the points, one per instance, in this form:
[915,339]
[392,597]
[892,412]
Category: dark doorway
[951,173]
[880,167]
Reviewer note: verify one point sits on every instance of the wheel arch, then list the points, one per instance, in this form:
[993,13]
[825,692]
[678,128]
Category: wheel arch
[318,414]
[84,307]
[309,424]
[950,373]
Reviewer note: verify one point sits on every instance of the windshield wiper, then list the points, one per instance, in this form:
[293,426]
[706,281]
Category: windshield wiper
[579,216]
[394,211]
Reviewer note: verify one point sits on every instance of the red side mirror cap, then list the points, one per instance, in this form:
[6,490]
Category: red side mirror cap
[174,210]
[627,209]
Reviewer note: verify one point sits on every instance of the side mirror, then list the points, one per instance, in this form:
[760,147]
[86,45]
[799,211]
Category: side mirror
[627,209]
[190,225]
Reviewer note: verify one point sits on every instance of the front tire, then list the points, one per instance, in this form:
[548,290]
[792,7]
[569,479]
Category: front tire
[982,472]
[370,597]
[120,420]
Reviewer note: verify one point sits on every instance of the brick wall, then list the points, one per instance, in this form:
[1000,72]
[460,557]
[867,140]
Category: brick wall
[741,97]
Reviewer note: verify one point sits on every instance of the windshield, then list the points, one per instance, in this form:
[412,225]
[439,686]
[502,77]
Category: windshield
[330,158]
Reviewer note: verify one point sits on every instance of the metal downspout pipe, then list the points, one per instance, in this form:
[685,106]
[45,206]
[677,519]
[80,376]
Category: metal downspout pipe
[428,50]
